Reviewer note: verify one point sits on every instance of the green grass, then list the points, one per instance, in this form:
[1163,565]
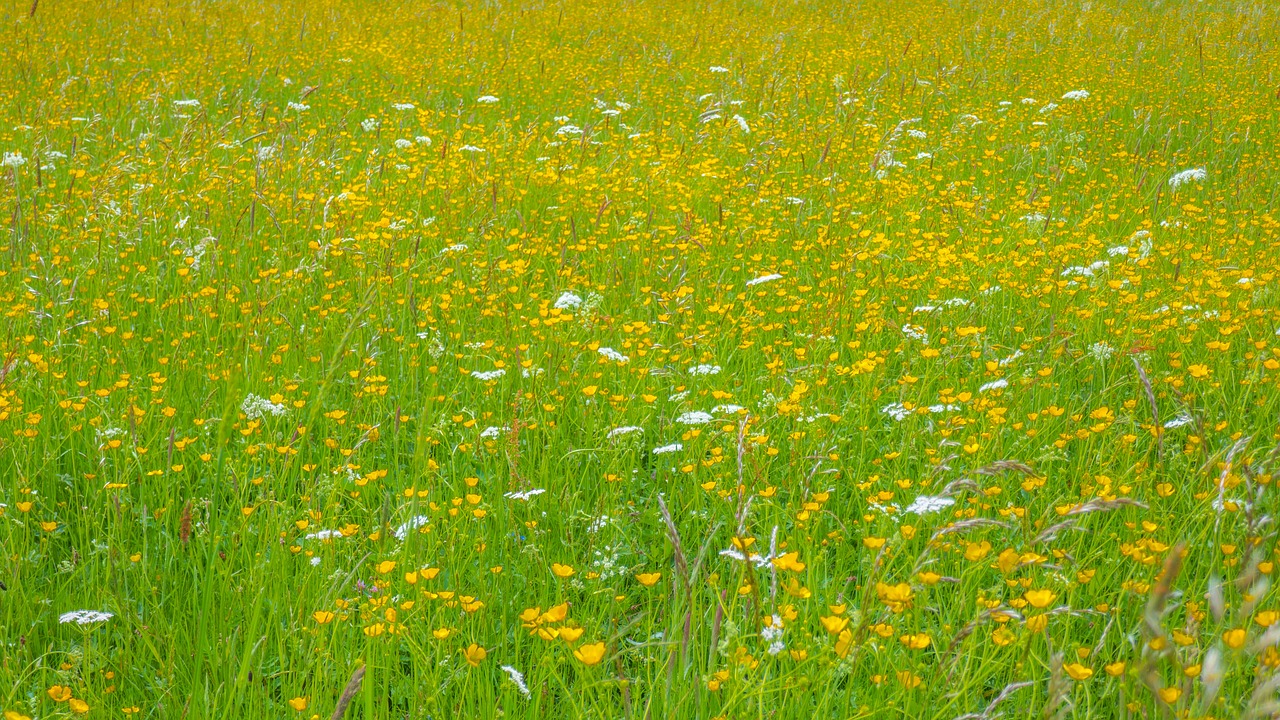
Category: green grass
[255,306]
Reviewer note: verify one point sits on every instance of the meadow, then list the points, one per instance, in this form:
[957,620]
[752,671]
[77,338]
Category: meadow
[639,359]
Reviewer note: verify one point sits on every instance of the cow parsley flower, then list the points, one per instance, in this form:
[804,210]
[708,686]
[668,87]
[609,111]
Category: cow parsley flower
[704,370]
[567,301]
[255,407]
[614,355]
[763,279]
[926,504]
[624,430]
[1186,176]
[1075,95]
[486,375]
[695,417]
[85,617]
[487,100]
[673,447]
[517,677]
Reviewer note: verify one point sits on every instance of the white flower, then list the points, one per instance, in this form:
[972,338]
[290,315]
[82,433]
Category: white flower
[488,374]
[1183,418]
[727,409]
[255,407]
[1101,351]
[673,447]
[13,160]
[492,431]
[413,523]
[84,617]
[324,535]
[187,103]
[1121,250]
[926,504]
[1093,269]
[614,355]
[624,430]
[696,417]
[518,678]
[915,332]
[403,144]
[1075,95]
[298,107]
[1186,176]
[719,69]
[569,130]
[742,123]
[567,301]
[763,279]
[704,370]
[487,100]
[315,562]
[994,385]
[1049,107]
[369,124]
[471,149]
[422,140]
[897,411]
[402,106]
[524,495]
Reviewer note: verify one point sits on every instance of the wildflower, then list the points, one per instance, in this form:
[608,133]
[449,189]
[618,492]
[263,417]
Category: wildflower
[994,385]
[517,677]
[613,355]
[694,418]
[255,407]
[567,301]
[590,654]
[624,430]
[673,447]
[13,160]
[487,100]
[704,370]
[763,279]
[1186,176]
[488,374]
[562,571]
[1077,671]
[926,504]
[648,579]
[474,654]
[85,617]
[1075,95]
[298,703]
[525,495]
[1039,598]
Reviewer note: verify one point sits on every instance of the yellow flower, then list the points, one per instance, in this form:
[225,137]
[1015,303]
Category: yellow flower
[562,571]
[918,641]
[1234,638]
[844,643]
[896,597]
[1199,371]
[570,634]
[834,623]
[298,703]
[1039,598]
[474,654]
[1170,694]
[873,543]
[386,566]
[14,715]
[1267,618]
[590,654]
[648,579]
[790,561]
[1115,669]
[1078,671]
[441,633]
[323,617]
[78,706]
[59,693]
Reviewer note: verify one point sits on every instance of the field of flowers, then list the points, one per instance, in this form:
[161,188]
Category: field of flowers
[639,358]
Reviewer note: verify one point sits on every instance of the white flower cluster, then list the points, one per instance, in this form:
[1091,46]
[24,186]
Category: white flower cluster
[255,407]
